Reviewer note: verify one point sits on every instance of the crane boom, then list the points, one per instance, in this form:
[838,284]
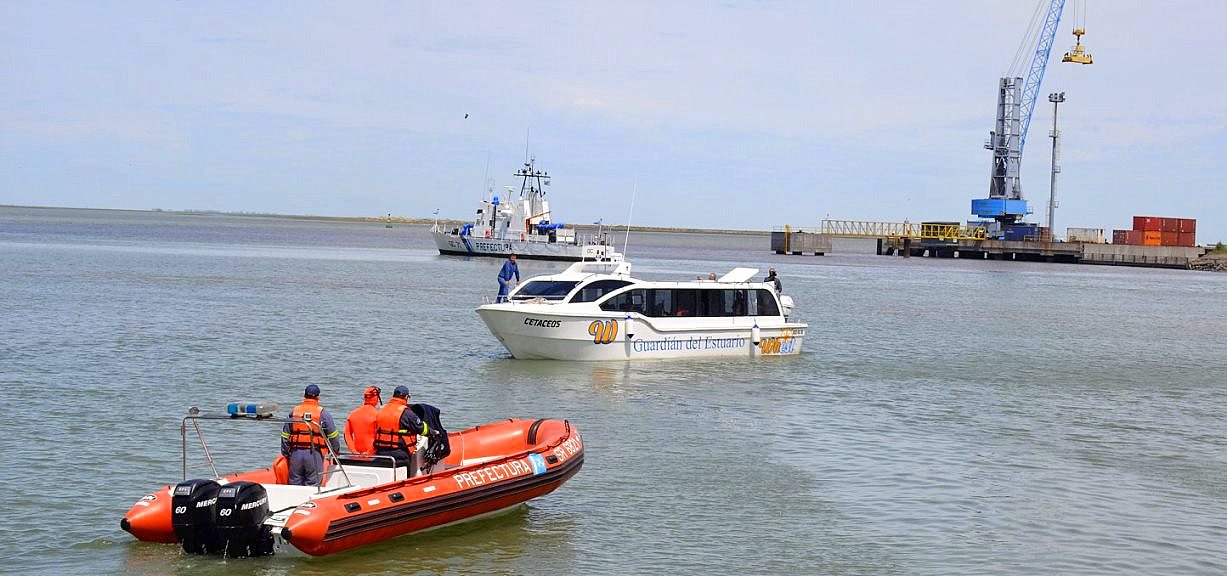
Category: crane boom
[1039,63]
[1015,103]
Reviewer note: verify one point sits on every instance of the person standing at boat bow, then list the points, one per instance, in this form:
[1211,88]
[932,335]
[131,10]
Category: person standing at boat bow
[510,268]
[303,440]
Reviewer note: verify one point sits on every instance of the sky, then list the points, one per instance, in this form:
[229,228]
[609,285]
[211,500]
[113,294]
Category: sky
[735,115]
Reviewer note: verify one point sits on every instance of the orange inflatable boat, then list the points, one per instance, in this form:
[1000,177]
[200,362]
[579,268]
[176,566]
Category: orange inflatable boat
[361,499]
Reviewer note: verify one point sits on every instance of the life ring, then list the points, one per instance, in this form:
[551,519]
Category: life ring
[487,233]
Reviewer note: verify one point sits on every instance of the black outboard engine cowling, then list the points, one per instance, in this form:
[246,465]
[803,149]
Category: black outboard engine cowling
[242,508]
[192,513]
[440,445]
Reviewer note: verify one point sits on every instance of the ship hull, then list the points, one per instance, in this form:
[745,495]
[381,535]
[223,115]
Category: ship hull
[457,245]
[535,333]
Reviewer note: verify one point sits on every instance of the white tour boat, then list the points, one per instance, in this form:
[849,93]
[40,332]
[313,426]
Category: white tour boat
[597,311]
[522,225]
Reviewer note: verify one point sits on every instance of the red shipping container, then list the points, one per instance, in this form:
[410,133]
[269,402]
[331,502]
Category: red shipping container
[1188,225]
[1188,239]
[1170,239]
[1170,224]
[1120,236]
[1148,223]
[1135,238]
[1152,238]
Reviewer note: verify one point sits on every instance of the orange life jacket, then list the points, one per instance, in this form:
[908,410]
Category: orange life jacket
[303,435]
[360,429]
[388,433]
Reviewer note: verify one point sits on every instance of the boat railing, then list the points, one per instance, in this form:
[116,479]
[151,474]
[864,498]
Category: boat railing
[265,414]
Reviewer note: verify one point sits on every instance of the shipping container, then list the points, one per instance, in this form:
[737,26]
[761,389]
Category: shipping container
[1120,236]
[1148,223]
[1170,239]
[1086,235]
[1170,224]
[1019,232]
[1188,239]
[1135,237]
[1188,225]
[1152,238]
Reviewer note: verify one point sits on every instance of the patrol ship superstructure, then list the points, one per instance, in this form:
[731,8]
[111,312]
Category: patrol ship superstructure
[521,224]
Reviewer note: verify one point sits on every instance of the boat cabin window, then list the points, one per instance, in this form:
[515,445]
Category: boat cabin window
[548,289]
[593,292]
[764,303]
[700,302]
[629,301]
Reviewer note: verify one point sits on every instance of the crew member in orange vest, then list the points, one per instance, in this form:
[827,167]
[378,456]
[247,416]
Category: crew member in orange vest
[397,428]
[303,441]
[360,424]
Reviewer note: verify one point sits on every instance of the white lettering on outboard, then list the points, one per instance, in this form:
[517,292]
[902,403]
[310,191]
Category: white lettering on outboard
[489,474]
[256,504]
[206,503]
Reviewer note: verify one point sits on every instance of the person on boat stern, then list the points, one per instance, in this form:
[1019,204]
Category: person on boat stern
[510,268]
[303,443]
[360,424]
[771,277]
[397,428]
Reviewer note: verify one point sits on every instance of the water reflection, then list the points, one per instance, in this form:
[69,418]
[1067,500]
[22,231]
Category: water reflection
[519,540]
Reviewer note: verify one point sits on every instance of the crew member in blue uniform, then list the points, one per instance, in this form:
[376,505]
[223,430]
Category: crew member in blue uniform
[304,443]
[510,268]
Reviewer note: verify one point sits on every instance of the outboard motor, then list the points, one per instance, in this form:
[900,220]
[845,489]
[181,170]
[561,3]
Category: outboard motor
[440,445]
[242,508]
[192,513]
[786,305]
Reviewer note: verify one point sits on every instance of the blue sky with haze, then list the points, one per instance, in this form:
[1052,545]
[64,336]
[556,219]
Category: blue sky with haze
[723,115]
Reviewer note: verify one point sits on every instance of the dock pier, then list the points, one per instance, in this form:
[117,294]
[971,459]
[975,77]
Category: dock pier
[786,241]
[1034,251]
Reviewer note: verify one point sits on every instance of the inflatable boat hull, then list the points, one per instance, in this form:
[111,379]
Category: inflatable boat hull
[492,467]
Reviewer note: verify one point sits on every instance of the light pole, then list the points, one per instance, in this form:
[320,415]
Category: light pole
[1056,98]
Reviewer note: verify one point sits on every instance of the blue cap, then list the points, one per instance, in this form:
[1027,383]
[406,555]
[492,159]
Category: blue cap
[400,392]
[312,391]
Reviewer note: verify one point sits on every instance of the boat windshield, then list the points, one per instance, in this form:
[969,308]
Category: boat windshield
[593,291]
[548,289]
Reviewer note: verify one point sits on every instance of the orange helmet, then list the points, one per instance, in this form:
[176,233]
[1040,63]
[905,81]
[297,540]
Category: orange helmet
[371,392]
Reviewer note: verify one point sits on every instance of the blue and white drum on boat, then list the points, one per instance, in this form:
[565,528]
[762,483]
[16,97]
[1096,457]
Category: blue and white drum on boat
[251,409]
[579,313]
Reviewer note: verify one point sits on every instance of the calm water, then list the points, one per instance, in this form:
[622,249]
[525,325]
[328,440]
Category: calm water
[945,417]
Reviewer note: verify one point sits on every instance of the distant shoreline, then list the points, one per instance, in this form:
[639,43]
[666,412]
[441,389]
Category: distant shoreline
[394,220]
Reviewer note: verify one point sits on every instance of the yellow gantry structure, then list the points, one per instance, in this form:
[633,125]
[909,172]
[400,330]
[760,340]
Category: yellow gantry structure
[905,229]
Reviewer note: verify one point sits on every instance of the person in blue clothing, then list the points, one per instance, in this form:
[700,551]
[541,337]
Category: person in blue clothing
[510,268]
[304,441]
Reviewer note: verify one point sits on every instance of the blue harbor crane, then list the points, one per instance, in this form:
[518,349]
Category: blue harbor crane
[1015,103]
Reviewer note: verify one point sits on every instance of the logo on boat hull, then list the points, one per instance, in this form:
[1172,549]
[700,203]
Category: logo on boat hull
[603,331]
[538,463]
